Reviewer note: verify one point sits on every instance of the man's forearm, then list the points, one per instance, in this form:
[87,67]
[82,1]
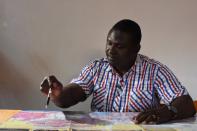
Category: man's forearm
[185,107]
[70,95]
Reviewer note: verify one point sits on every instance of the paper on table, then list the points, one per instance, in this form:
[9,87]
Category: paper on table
[116,127]
[160,129]
[6,114]
[37,120]
[12,124]
[102,121]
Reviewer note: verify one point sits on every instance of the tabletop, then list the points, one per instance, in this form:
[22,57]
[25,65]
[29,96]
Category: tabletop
[37,120]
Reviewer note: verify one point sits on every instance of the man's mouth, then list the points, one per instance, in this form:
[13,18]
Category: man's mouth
[112,58]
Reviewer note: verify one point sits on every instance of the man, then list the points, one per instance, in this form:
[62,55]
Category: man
[125,81]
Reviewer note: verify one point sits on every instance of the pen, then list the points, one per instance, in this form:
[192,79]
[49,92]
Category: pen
[48,98]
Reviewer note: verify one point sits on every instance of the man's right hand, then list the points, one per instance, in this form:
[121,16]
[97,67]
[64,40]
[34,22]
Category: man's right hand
[54,84]
[63,97]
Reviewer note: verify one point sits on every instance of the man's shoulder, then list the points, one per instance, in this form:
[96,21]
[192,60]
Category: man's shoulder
[98,62]
[150,61]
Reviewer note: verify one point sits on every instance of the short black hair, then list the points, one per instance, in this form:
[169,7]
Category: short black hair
[128,26]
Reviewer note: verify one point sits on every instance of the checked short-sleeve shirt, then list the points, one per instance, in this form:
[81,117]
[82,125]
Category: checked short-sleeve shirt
[147,83]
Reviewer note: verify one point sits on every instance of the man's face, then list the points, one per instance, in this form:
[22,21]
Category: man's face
[120,49]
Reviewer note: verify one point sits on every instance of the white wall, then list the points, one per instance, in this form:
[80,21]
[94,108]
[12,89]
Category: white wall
[42,37]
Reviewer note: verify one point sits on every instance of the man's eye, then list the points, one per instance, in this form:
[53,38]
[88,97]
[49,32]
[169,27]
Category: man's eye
[119,46]
[109,43]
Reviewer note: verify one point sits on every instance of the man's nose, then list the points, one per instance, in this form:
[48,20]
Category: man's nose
[112,50]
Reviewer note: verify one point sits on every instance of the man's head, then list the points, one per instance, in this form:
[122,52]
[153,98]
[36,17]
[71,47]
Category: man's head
[123,44]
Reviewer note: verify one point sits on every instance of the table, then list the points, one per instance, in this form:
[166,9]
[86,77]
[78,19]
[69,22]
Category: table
[32,120]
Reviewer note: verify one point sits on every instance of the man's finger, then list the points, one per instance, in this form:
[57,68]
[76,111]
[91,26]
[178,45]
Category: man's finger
[134,118]
[149,119]
[141,114]
[54,82]
[44,86]
[52,79]
[141,117]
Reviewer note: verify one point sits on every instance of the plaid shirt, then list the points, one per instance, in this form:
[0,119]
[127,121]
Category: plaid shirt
[144,86]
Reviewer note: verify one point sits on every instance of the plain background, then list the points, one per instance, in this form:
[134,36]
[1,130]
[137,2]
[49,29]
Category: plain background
[42,37]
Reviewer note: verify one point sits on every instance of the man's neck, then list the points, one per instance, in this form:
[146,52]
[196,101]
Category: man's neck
[121,70]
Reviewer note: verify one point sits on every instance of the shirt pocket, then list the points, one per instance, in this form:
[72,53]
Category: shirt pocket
[140,99]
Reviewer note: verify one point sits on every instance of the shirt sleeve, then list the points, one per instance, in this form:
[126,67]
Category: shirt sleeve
[85,78]
[168,86]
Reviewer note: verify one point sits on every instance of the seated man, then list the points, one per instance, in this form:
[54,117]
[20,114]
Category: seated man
[125,81]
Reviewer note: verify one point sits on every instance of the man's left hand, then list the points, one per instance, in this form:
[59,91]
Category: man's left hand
[158,115]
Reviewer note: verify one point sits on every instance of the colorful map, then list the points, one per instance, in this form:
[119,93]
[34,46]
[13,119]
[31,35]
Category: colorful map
[68,121]
[71,121]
